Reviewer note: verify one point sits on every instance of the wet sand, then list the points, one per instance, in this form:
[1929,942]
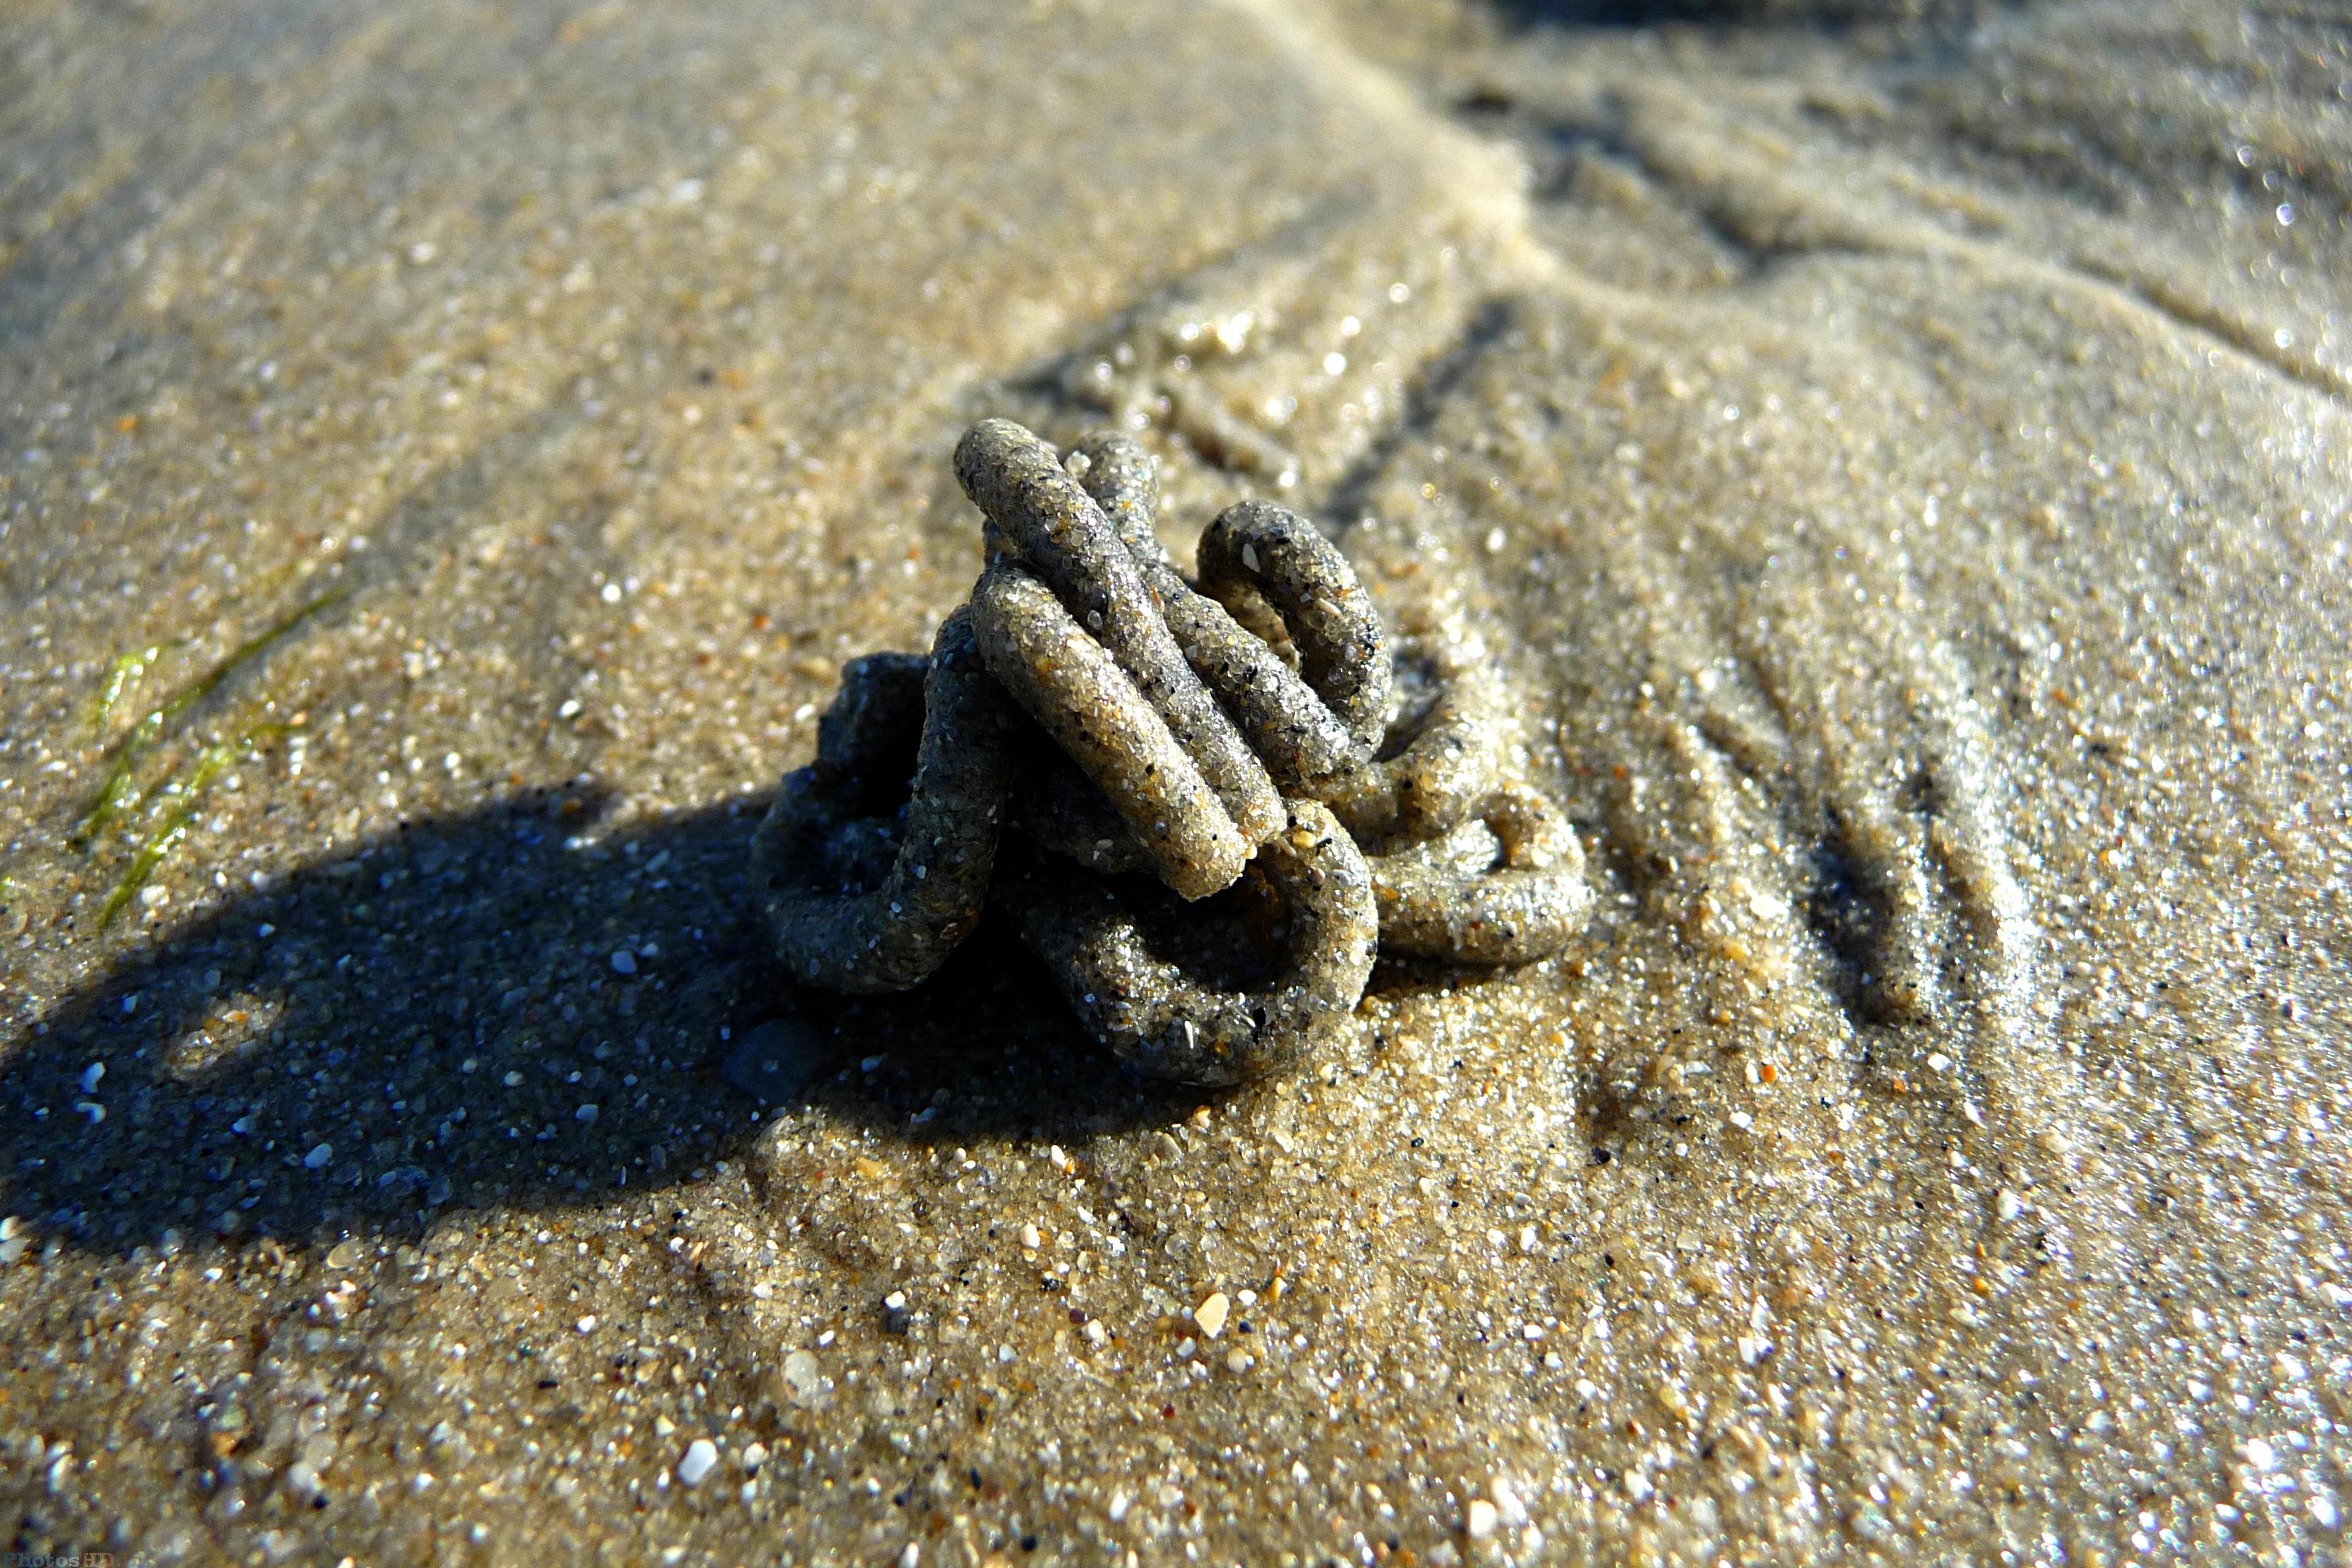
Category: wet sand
[446,454]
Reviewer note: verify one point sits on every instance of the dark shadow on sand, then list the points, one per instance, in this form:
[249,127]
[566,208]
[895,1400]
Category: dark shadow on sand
[439,1007]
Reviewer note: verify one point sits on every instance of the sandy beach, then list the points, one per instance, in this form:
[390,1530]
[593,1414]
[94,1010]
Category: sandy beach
[447,453]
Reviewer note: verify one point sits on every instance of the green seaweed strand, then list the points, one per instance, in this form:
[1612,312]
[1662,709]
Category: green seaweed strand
[176,825]
[120,676]
[115,790]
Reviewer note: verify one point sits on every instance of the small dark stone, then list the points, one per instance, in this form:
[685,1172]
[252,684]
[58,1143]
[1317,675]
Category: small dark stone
[773,1061]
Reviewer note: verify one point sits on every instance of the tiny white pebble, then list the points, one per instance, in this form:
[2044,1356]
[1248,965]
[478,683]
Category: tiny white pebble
[1031,1238]
[1506,1501]
[701,1457]
[1482,1519]
[896,1300]
[2008,1206]
[911,1556]
[624,962]
[587,1325]
[1210,1314]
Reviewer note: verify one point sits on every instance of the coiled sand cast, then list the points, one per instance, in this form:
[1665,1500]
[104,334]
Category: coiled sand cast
[1221,816]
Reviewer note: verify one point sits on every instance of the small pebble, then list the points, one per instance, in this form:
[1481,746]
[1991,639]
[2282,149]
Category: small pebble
[1210,1314]
[701,1457]
[1484,1518]
[318,1158]
[624,962]
[774,1060]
